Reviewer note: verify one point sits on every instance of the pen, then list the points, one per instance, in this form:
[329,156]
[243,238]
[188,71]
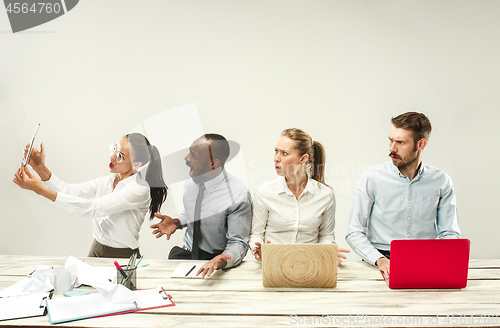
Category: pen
[129,265]
[187,274]
[120,269]
[73,284]
[132,261]
[140,259]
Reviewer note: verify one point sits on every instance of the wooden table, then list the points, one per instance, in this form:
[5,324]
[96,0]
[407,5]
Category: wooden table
[236,298]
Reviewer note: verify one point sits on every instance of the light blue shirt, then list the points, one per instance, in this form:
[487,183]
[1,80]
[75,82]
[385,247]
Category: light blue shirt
[226,216]
[388,206]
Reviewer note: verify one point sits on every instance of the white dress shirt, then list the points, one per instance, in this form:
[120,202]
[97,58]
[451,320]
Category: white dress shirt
[117,214]
[226,216]
[283,219]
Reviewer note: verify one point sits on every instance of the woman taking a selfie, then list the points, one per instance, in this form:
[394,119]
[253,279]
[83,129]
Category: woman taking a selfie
[297,207]
[117,203]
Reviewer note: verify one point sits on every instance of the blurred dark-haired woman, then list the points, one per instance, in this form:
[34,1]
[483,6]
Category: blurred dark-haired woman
[117,203]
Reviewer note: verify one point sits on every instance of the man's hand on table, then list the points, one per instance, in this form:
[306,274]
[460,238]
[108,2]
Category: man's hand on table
[383,264]
[217,263]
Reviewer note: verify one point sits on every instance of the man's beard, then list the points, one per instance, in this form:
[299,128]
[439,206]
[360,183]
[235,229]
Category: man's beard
[403,163]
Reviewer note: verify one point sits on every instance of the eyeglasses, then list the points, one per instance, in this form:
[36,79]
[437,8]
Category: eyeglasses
[119,156]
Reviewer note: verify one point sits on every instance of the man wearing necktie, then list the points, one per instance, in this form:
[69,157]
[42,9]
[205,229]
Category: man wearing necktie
[217,209]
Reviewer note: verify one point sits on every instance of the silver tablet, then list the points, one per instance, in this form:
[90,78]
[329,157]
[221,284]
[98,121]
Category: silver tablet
[31,146]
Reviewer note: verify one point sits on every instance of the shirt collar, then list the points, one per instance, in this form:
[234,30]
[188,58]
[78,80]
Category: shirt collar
[210,185]
[419,173]
[283,187]
[125,181]
[395,168]
[421,168]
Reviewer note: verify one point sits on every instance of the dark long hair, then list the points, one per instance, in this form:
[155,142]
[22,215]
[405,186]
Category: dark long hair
[142,151]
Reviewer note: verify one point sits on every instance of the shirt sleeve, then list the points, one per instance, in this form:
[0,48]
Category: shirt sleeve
[85,190]
[182,218]
[259,220]
[327,227]
[358,221]
[130,197]
[447,217]
[239,221]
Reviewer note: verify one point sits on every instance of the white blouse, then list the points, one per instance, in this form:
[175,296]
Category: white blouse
[281,218]
[117,214]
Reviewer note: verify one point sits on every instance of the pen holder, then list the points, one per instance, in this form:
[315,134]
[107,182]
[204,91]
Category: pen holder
[128,280]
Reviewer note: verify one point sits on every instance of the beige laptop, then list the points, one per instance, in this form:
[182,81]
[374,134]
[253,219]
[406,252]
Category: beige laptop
[299,265]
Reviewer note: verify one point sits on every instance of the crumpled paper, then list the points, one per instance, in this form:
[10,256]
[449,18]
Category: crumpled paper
[89,276]
[38,282]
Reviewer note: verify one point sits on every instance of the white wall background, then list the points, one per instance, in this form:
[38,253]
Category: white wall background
[337,69]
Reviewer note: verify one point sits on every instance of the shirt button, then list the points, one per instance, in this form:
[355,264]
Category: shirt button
[409,201]
[408,236]
[408,218]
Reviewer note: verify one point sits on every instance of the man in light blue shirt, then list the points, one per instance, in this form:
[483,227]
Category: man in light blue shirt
[402,198]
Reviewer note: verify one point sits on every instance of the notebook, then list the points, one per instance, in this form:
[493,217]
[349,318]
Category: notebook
[188,270]
[429,263]
[299,265]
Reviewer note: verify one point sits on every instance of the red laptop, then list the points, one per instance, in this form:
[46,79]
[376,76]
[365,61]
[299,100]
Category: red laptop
[429,263]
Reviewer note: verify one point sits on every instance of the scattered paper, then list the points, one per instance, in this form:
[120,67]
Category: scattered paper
[90,276]
[38,282]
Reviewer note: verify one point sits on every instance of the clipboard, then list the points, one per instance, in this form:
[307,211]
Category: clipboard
[17,307]
[31,146]
[149,299]
[95,305]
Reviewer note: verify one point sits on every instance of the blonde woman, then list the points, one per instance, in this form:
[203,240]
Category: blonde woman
[297,207]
